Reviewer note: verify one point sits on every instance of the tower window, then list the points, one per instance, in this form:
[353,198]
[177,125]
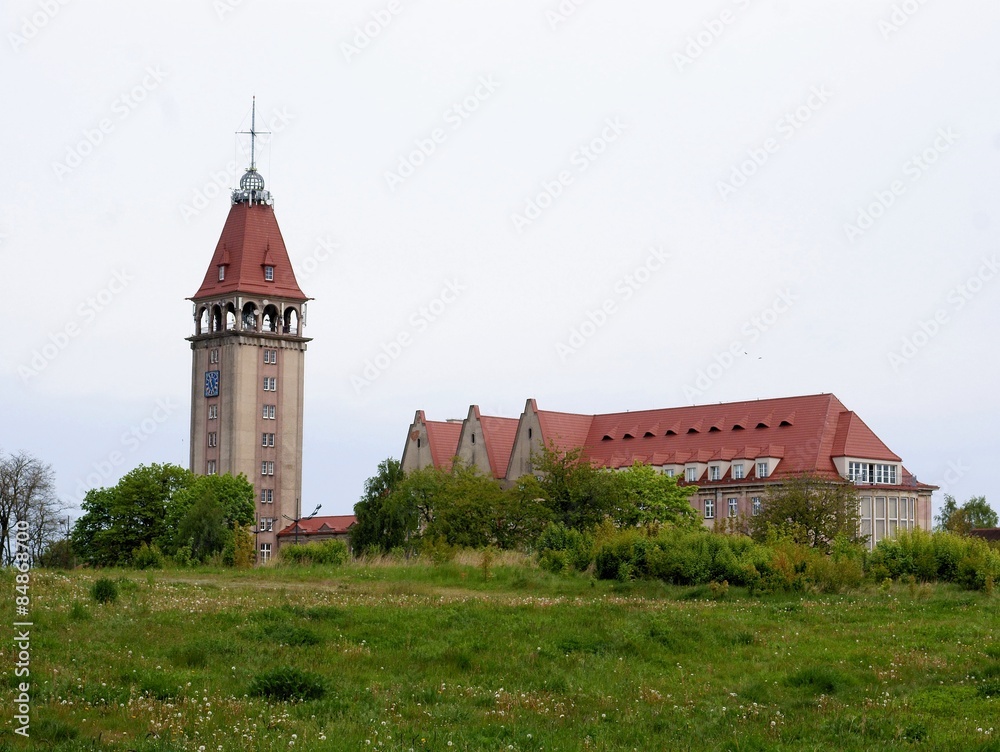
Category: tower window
[267,468]
[270,384]
[473,438]
[268,412]
[266,495]
[213,412]
[270,356]
[211,468]
[267,439]
[213,355]
[266,524]
[213,439]
[269,273]
[222,273]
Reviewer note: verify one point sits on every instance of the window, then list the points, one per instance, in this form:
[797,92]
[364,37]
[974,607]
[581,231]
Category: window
[473,438]
[669,472]
[737,471]
[864,472]
[267,439]
[529,434]
[755,506]
[211,468]
[267,468]
[269,273]
[268,412]
[762,469]
[265,553]
[213,355]
[213,439]
[270,356]
[709,509]
[213,412]
[691,474]
[270,384]
[266,495]
[714,472]
[266,524]
[222,272]
[734,507]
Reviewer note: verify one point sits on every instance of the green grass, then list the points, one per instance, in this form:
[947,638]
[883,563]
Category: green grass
[414,657]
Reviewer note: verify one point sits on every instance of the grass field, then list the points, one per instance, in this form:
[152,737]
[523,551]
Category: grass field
[442,658]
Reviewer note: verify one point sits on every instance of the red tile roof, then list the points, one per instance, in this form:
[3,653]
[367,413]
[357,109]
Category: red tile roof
[855,439]
[498,436]
[250,241]
[319,525]
[443,439]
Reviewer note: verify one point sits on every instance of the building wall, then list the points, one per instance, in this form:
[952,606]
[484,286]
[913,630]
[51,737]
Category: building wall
[472,447]
[417,451]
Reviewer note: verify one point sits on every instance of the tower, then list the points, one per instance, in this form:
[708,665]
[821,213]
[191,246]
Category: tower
[248,357]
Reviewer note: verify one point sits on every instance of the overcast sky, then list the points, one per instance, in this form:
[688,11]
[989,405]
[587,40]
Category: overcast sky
[594,204]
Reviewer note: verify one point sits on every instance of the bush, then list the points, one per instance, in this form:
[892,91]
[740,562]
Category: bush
[104,590]
[940,556]
[147,557]
[331,552]
[561,547]
[287,684]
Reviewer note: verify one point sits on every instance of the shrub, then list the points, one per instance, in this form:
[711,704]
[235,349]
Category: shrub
[286,684]
[147,557]
[561,547]
[438,550]
[104,590]
[331,552]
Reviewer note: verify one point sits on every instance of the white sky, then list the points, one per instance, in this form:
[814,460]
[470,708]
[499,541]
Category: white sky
[134,206]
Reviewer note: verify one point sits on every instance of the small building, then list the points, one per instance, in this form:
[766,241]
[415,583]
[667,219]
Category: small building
[318,529]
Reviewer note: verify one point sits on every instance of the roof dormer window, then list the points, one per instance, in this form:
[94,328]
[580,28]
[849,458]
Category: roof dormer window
[269,273]
[222,272]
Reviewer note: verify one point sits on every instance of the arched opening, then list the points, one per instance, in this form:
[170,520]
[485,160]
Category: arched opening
[269,323]
[216,318]
[230,317]
[250,317]
[291,321]
[201,324]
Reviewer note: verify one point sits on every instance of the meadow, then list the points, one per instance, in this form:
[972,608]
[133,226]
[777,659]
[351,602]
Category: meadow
[385,655]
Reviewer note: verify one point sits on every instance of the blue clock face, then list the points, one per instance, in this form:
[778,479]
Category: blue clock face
[211,383]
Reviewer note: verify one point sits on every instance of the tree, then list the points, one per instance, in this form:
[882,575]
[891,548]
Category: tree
[975,513]
[375,528]
[27,496]
[203,512]
[579,495]
[646,495]
[117,520]
[811,511]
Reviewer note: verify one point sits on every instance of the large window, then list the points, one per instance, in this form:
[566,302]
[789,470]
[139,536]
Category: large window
[709,509]
[265,553]
[869,472]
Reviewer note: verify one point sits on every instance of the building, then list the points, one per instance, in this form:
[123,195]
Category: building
[319,529]
[732,452]
[248,361]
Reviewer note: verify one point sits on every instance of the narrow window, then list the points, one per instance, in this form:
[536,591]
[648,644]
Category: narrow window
[734,507]
[222,273]
[713,472]
[762,469]
[709,509]
[755,505]
[211,467]
[269,273]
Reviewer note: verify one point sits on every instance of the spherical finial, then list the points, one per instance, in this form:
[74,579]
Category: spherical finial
[251,181]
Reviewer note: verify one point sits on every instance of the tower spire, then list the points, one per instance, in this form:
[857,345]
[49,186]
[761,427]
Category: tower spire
[251,188]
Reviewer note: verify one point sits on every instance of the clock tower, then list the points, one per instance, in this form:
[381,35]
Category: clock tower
[248,355]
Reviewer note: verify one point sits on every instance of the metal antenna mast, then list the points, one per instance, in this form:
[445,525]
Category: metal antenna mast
[252,184]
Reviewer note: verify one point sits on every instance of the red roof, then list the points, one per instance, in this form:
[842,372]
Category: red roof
[855,439]
[498,436]
[250,241]
[320,525]
[443,439]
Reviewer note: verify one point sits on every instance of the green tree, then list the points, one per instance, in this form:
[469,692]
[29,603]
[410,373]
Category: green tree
[811,511]
[206,509]
[974,513]
[117,520]
[646,495]
[376,528]
[579,495]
